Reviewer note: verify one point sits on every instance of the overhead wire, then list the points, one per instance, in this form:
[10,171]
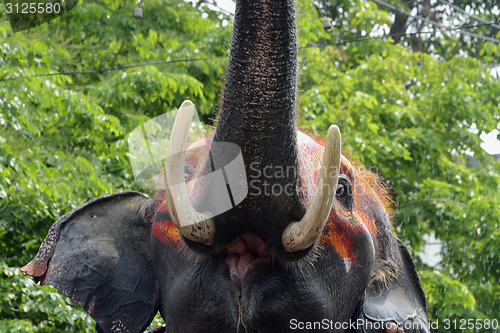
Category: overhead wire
[103,70]
[385,4]
[409,34]
[345,42]
[468,14]
[437,24]
[227,12]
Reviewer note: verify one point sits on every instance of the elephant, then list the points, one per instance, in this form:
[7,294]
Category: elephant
[320,256]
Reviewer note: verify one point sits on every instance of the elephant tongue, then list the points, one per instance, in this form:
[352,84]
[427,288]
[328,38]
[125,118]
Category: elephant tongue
[243,252]
[244,263]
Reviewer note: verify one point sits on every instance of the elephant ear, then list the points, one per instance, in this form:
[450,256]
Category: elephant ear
[399,300]
[99,256]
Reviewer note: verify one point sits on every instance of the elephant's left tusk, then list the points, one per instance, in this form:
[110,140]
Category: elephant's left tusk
[196,226]
[300,235]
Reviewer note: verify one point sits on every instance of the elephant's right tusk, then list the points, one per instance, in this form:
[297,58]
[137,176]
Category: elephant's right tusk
[196,226]
[300,235]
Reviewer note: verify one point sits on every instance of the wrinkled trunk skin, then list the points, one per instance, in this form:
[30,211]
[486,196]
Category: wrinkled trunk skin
[258,114]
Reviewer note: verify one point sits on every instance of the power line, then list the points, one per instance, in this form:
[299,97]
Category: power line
[437,24]
[227,12]
[409,34]
[442,1]
[468,14]
[345,42]
[103,70]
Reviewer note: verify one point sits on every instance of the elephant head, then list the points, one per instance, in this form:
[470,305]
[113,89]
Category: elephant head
[308,248]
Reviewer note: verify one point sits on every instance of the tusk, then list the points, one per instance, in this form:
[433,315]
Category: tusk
[300,235]
[196,226]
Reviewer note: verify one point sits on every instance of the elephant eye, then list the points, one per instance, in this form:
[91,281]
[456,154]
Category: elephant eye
[344,192]
[340,190]
[188,172]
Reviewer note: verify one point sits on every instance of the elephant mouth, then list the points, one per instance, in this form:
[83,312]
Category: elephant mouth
[244,254]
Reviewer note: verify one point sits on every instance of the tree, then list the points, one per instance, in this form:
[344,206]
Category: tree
[408,113]
[413,22]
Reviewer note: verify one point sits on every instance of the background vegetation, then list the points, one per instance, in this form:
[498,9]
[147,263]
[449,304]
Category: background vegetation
[406,108]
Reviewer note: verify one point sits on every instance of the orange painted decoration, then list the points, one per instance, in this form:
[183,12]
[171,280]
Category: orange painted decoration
[367,192]
[342,223]
[163,228]
[166,232]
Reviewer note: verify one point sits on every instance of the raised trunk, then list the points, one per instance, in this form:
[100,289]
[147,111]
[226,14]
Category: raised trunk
[258,110]
[261,81]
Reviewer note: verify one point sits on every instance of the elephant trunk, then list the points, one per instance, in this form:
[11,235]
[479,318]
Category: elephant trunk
[258,114]
[258,110]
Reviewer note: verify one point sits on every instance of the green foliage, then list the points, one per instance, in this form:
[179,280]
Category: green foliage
[63,138]
[362,18]
[459,304]
[462,301]
[27,307]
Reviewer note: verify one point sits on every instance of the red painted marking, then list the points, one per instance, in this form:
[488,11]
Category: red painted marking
[368,193]
[166,232]
[342,223]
